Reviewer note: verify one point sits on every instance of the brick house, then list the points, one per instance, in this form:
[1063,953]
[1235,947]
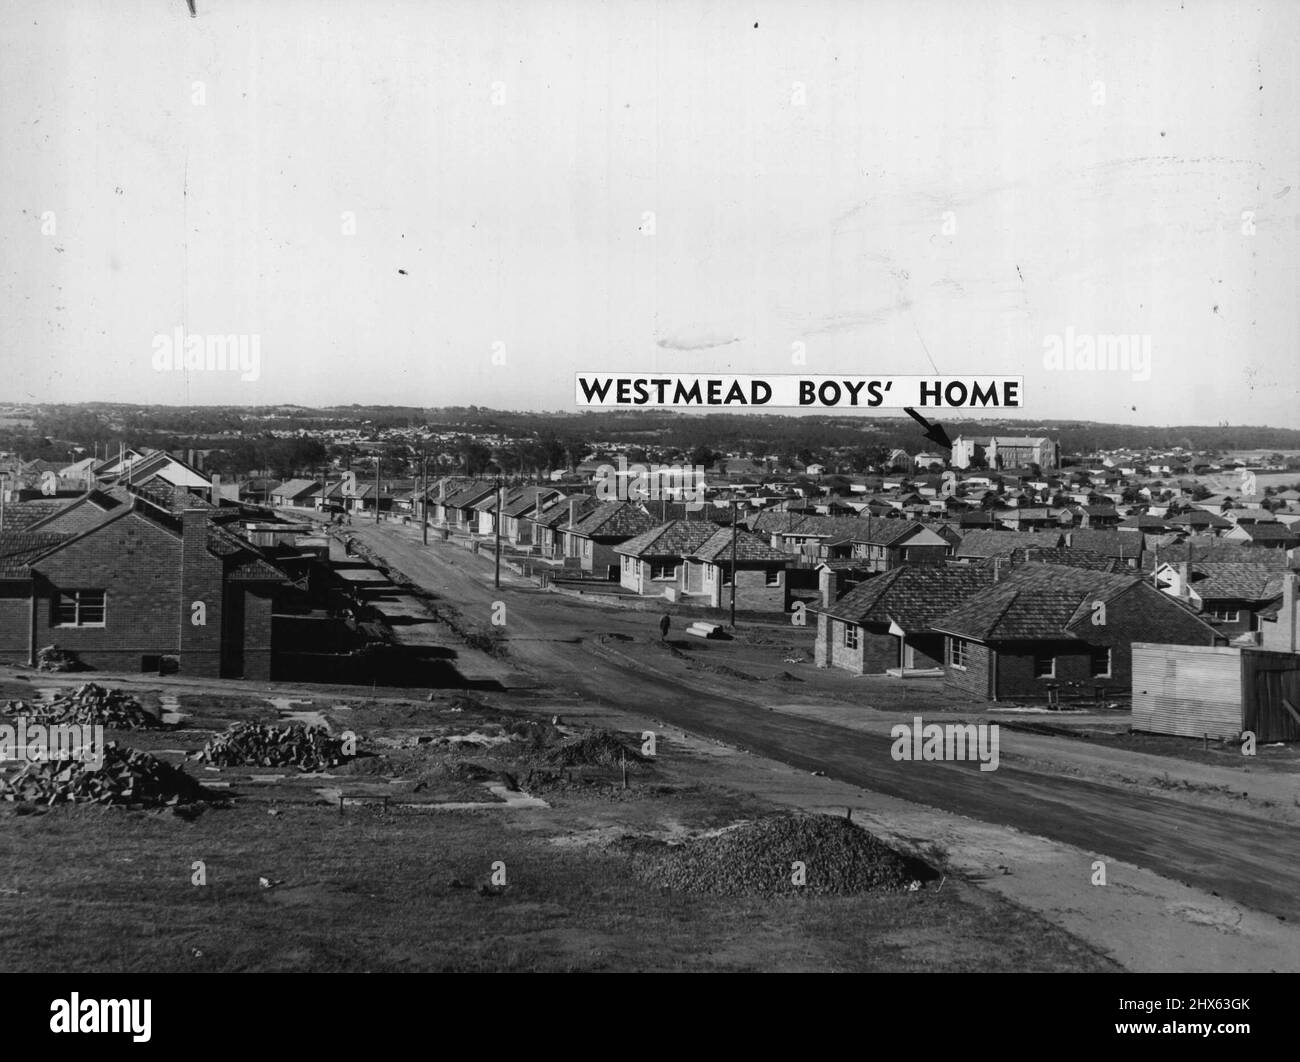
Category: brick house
[761,572]
[549,524]
[1036,630]
[654,560]
[886,622]
[887,544]
[1231,595]
[590,543]
[138,586]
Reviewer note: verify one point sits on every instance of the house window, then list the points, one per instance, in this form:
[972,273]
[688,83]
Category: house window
[1044,665]
[725,574]
[79,608]
[586,549]
[959,652]
[850,636]
[1100,663]
[773,577]
[1225,615]
[664,570]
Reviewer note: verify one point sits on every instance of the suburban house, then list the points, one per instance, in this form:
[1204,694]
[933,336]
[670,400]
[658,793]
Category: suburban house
[589,544]
[518,508]
[457,510]
[980,544]
[137,588]
[1051,629]
[886,622]
[548,525]
[1125,548]
[1200,522]
[1232,595]
[297,492]
[1263,535]
[156,465]
[654,560]
[761,572]
[887,544]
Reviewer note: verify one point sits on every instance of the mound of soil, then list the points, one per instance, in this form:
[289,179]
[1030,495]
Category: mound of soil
[757,859]
[600,748]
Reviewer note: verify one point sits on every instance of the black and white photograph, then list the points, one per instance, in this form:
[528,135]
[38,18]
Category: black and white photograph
[650,486]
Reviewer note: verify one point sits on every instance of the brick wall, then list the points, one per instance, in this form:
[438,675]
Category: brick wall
[975,678]
[257,633]
[201,581]
[15,621]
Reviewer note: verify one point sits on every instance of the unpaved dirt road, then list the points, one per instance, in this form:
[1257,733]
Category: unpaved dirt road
[1231,855]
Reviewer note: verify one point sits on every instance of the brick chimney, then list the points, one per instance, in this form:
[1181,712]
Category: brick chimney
[201,586]
[1185,580]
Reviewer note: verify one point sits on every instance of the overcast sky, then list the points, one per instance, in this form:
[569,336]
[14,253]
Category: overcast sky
[672,186]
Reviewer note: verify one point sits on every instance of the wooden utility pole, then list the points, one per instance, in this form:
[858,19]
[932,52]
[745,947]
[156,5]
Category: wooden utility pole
[496,579]
[377,461]
[733,564]
[424,495]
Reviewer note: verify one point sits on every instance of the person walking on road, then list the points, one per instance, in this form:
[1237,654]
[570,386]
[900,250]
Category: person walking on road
[664,624]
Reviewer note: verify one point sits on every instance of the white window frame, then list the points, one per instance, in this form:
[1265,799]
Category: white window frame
[74,596]
[1044,675]
[851,639]
[772,577]
[1225,615]
[671,566]
[958,653]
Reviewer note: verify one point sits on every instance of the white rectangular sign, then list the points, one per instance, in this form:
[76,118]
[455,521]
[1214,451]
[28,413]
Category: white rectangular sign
[677,391]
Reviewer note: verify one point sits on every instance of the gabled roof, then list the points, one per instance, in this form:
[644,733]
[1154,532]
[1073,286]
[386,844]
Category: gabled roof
[1042,601]
[556,514]
[19,516]
[19,548]
[912,597]
[1198,518]
[1267,532]
[749,548]
[467,495]
[614,520]
[1216,549]
[677,538]
[526,498]
[296,488]
[980,542]
[1235,581]
[1107,543]
[890,532]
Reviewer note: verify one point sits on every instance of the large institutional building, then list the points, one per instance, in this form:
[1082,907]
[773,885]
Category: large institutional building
[1005,451]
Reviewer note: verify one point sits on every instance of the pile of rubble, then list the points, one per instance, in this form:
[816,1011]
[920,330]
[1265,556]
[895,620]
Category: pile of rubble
[126,776]
[759,858]
[260,745]
[52,658]
[89,705]
[600,748]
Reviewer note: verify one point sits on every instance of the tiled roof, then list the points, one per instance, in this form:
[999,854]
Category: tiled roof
[1036,601]
[1107,543]
[18,548]
[295,487]
[1236,581]
[556,514]
[1212,549]
[21,515]
[525,500]
[979,542]
[677,538]
[615,519]
[468,495]
[1267,532]
[1199,518]
[749,547]
[886,532]
[1073,558]
[913,597]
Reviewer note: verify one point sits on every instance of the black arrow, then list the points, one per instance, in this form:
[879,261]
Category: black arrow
[933,432]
